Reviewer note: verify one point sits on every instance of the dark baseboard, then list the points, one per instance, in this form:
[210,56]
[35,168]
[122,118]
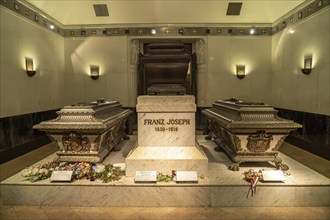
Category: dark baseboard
[309,146]
[19,150]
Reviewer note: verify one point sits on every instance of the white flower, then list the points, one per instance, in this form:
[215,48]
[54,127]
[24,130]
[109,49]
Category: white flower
[27,172]
[43,170]
[99,168]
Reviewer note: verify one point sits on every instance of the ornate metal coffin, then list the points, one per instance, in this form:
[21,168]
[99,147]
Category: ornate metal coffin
[87,131]
[163,69]
[248,131]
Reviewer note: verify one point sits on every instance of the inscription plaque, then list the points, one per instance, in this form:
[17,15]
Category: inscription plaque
[61,176]
[186,177]
[145,177]
[273,175]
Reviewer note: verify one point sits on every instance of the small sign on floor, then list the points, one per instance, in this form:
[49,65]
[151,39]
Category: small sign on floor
[272,175]
[145,177]
[61,176]
[186,177]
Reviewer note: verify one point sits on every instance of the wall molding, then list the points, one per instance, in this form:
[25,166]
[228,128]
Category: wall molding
[29,12]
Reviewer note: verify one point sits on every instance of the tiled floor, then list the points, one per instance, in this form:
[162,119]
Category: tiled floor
[49,212]
[54,212]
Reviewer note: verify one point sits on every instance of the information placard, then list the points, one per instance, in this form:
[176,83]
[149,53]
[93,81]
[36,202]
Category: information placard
[61,176]
[273,175]
[186,177]
[145,177]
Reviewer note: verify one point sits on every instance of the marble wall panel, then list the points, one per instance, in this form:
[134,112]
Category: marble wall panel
[314,135]
[165,196]
[20,195]
[152,196]
[291,89]
[16,131]
[312,196]
[19,93]
[61,195]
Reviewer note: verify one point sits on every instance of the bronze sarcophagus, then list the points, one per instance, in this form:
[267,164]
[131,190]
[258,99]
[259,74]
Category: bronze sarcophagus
[248,132]
[87,131]
[163,68]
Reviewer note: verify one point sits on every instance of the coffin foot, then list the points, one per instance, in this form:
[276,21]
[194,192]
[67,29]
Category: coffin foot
[281,166]
[208,137]
[234,167]
[126,137]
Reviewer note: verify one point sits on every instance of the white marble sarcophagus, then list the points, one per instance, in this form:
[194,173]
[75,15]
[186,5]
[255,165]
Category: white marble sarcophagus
[248,132]
[87,131]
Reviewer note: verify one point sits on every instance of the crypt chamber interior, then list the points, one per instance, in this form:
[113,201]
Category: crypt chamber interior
[59,59]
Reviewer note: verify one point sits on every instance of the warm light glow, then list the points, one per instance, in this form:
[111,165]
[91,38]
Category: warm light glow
[95,72]
[153,31]
[252,31]
[240,71]
[28,64]
[308,62]
[51,26]
[291,31]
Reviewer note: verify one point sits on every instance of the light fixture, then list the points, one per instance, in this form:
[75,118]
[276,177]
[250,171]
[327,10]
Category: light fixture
[95,72]
[307,65]
[180,31]
[51,27]
[252,31]
[240,71]
[291,31]
[29,67]
[153,31]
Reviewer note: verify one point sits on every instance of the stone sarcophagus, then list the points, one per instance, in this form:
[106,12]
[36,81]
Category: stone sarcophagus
[248,132]
[87,131]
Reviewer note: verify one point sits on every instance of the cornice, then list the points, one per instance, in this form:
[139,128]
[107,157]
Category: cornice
[27,11]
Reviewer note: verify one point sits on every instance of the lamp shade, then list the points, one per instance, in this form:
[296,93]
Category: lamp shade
[240,71]
[29,67]
[95,72]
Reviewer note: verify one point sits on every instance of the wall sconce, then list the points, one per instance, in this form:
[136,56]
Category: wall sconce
[95,72]
[240,71]
[29,67]
[307,65]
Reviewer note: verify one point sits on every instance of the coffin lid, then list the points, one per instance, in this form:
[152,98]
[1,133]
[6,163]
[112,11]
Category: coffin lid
[236,114]
[98,115]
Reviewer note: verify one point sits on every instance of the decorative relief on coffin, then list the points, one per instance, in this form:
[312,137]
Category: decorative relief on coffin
[75,142]
[226,138]
[279,142]
[107,138]
[237,142]
[259,142]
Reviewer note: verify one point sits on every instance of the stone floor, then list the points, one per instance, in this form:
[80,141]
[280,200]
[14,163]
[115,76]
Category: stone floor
[56,212]
[51,212]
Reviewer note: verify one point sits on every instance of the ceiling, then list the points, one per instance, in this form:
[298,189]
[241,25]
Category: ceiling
[81,12]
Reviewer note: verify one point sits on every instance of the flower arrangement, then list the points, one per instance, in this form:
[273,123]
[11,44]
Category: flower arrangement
[80,170]
[253,177]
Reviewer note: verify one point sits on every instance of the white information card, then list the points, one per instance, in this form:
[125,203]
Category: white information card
[61,176]
[273,175]
[145,177]
[186,177]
